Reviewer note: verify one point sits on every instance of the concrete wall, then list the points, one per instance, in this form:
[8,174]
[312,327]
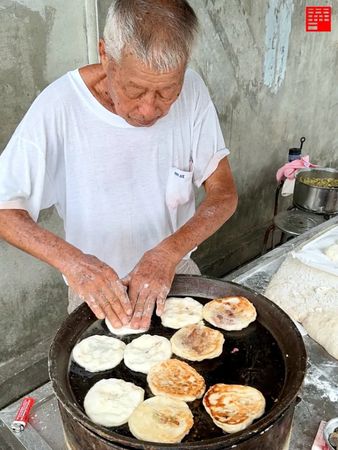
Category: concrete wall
[271,83]
[39,41]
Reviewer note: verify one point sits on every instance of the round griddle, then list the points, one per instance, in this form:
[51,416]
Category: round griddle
[269,355]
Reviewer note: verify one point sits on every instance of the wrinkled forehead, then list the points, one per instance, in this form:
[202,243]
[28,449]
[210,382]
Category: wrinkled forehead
[131,70]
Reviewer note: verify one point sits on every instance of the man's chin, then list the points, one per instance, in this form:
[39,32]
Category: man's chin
[137,123]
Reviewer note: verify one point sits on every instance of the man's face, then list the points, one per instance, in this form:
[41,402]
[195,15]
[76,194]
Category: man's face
[140,95]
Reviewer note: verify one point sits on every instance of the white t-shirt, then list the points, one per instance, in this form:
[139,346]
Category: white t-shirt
[119,189]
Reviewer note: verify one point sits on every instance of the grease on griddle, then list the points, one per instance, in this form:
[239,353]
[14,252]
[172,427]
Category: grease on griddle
[257,362]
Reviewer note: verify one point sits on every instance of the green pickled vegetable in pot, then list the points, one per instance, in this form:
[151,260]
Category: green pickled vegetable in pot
[320,182]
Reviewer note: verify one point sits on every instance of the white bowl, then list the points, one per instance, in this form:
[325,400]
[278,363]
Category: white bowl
[328,429]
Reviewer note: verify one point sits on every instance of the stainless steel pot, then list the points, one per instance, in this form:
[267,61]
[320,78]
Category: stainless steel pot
[316,199]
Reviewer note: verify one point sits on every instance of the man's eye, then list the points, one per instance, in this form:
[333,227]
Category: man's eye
[169,96]
[135,93]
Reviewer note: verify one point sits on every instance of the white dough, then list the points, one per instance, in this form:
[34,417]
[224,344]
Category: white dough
[322,326]
[124,330]
[96,353]
[110,402]
[332,253]
[180,312]
[145,351]
[309,296]
[300,289]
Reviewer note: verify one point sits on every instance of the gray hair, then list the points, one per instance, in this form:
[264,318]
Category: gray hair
[160,33]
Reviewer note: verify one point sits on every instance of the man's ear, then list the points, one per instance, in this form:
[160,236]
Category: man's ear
[103,55]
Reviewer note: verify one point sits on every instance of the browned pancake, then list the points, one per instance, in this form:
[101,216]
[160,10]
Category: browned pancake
[230,313]
[233,407]
[197,342]
[161,419]
[176,379]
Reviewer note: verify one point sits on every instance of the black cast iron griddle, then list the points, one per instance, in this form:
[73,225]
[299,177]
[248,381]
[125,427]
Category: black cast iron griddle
[250,357]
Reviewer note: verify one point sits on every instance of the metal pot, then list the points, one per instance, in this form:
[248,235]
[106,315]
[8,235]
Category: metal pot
[270,356]
[316,199]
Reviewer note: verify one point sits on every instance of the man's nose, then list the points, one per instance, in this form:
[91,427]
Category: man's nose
[148,107]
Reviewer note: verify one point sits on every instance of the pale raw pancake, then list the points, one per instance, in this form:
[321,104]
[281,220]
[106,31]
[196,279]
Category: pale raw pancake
[233,407]
[177,380]
[123,331]
[230,313]
[110,402]
[180,312]
[197,342]
[145,351]
[96,353]
[161,419]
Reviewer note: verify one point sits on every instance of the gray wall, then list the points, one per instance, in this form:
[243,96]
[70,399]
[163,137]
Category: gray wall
[39,41]
[271,83]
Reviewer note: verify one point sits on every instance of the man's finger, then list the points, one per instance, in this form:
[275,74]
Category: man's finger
[111,293]
[161,298]
[109,312]
[121,292]
[97,310]
[118,310]
[148,311]
[133,292]
[138,310]
[126,280]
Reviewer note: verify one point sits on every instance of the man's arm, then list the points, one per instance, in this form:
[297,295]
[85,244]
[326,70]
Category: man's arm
[150,281]
[94,281]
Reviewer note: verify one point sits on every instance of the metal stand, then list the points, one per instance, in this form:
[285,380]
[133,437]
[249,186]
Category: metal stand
[291,222]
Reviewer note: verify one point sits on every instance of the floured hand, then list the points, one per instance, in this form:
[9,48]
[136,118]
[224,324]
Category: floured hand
[100,287]
[149,284]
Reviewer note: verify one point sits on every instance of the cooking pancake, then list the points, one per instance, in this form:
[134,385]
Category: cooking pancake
[180,312]
[97,353]
[111,401]
[123,331]
[230,313]
[233,407]
[177,380]
[161,419]
[197,342]
[145,351]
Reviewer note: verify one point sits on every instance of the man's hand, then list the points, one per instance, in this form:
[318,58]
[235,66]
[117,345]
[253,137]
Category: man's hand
[149,284]
[99,286]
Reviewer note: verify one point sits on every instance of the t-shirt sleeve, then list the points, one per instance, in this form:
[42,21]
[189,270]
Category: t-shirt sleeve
[208,146]
[24,181]
[30,161]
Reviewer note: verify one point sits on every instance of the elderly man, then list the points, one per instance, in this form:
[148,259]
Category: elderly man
[116,147]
